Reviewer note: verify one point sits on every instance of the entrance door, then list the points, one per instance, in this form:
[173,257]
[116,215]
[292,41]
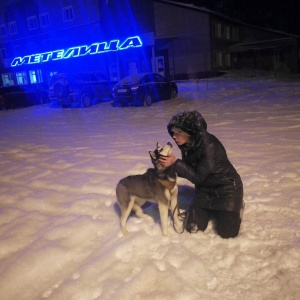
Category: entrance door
[160,65]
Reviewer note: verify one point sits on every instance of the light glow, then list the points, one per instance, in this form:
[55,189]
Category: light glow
[95,48]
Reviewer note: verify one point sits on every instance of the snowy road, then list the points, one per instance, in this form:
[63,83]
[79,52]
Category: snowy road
[59,225]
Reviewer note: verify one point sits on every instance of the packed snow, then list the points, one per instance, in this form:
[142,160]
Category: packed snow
[59,223]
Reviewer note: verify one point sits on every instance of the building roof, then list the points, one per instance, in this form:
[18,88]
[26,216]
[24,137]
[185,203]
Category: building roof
[217,14]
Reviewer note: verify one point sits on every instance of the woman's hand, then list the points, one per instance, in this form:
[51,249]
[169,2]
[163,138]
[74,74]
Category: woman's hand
[167,161]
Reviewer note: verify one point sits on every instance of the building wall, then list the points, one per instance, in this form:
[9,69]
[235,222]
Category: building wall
[90,21]
[187,36]
[193,43]
[240,46]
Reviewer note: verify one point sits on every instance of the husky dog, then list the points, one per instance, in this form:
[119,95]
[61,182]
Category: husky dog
[157,185]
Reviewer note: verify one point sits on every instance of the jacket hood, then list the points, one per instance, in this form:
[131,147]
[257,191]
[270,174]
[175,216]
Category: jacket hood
[191,122]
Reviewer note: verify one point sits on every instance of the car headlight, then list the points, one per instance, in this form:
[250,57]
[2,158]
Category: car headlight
[134,88]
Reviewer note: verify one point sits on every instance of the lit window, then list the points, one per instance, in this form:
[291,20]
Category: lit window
[35,76]
[3,31]
[44,20]
[32,75]
[7,79]
[12,27]
[32,23]
[68,13]
[21,78]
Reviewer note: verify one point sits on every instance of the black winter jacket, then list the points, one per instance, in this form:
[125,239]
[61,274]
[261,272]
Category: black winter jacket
[218,186]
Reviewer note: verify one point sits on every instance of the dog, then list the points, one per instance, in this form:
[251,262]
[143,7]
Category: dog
[157,185]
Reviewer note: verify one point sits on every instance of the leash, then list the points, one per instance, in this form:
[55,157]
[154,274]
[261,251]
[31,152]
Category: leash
[182,217]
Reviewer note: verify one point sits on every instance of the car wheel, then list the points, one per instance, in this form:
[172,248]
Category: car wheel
[147,100]
[85,100]
[173,94]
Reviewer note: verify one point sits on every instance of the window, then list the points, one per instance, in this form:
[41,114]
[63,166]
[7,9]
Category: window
[227,33]
[17,50]
[132,68]
[32,23]
[218,59]
[217,27]
[68,13]
[222,59]
[51,74]
[8,79]
[227,59]
[223,31]
[44,20]
[21,78]
[3,31]
[235,34]
[12,27]
[35,76]
[3,55]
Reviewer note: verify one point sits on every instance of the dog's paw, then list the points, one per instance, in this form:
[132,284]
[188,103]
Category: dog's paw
[165,233]
[124,230]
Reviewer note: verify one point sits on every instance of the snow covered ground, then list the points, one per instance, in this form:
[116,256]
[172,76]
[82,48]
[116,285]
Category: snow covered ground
[59,224]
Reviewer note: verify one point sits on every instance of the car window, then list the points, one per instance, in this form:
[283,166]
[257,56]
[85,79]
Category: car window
[134,79]
[149,78]
[159,78]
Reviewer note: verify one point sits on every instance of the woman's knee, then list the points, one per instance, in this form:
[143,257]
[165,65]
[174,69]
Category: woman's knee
[228,224]
[198,219]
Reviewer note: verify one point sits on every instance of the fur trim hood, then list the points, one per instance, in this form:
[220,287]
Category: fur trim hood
[191,122]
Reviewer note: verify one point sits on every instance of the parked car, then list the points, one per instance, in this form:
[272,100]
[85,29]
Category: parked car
[143,89]
[83,89]
[14,96]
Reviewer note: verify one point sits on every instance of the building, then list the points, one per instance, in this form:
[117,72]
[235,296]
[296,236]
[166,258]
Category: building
[39,38]
[201,43]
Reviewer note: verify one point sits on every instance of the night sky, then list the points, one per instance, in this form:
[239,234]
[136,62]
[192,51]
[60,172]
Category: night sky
[282,15]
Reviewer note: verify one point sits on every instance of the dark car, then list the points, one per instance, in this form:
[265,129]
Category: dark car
[143,89]
[15,96]
[83,89]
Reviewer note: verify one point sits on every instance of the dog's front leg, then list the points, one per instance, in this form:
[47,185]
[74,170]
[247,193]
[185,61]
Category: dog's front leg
[174,205]
[163,212]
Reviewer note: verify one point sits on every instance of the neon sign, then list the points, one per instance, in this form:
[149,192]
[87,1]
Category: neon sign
[96,48]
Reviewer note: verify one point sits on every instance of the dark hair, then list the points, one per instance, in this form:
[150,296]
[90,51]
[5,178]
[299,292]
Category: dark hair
[191,122]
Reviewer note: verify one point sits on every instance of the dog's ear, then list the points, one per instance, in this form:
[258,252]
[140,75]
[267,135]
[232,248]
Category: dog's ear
[159,147]
[169,144]
[152,154]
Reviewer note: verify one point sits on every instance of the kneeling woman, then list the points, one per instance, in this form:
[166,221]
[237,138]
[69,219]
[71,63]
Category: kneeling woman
[218,186]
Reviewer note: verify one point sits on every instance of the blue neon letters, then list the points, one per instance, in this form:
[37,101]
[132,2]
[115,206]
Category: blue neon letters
[95,48]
